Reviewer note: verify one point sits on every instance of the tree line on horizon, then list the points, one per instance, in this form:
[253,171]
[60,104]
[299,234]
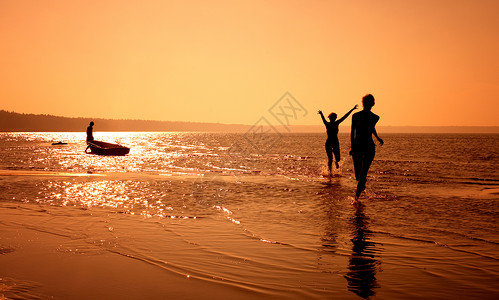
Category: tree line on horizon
[17,122]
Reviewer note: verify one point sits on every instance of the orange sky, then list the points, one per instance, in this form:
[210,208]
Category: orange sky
[426,62]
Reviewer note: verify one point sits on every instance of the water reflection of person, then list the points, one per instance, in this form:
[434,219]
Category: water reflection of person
[362,265]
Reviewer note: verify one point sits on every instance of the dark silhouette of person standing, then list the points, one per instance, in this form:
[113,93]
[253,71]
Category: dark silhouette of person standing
[332,142]
[90,128]
[363,147]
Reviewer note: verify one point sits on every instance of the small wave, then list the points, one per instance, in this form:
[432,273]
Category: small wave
[439,244]
[197,273]
[146,214]
[5,250]
[17,289]
[178,217]
[488,157]
[228,214]
[490,191]
[410,238]
[479,183]
[404,161]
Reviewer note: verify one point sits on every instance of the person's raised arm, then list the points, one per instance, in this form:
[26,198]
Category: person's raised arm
[322,116]
[377,137]
[346,115]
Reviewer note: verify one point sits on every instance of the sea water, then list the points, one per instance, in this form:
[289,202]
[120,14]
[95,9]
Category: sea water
[258,213]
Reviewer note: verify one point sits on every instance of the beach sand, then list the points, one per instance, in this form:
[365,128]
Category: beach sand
[38,264]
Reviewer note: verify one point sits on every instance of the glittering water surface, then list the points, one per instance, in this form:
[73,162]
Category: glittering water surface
[258,213]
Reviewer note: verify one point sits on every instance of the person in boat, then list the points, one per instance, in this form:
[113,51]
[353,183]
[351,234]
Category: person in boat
[332,142]
[90,129]
[361,137]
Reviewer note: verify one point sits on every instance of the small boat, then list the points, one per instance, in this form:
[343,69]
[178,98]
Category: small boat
[59,143]
[103,148]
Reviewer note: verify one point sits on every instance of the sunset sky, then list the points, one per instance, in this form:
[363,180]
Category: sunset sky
[427,62]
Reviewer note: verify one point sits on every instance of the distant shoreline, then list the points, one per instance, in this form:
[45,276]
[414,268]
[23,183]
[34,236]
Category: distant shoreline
[17,122]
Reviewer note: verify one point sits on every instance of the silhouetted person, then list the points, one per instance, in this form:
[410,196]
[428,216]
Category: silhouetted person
[90,128]
[332,142]
[363,147]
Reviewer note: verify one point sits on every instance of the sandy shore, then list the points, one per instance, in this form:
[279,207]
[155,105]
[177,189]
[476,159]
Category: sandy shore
[36,264]
[67,236]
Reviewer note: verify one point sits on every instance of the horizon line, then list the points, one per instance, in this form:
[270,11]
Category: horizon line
[240,124]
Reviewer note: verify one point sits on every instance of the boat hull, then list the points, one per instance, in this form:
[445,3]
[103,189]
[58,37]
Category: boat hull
[103,148]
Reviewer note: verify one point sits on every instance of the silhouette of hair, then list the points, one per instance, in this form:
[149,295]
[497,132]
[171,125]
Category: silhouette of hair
[368,100]
[332,116]
[92,123]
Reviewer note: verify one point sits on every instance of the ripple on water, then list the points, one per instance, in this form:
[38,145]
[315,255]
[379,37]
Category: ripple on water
[5,250]
[11,288]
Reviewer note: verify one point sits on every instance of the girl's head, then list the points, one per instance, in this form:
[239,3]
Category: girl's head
[91,123]
[368,101]
[332,116]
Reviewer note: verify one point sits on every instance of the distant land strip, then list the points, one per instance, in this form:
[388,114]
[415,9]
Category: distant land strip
[17,122]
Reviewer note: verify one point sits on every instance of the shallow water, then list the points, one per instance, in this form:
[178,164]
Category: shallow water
[257,213]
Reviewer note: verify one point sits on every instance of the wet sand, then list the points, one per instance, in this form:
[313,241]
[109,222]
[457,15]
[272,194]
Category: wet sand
[37,264]
[68,236]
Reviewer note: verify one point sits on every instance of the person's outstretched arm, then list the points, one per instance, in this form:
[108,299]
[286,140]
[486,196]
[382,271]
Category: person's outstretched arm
[377,137]
[323,119]
[346,115]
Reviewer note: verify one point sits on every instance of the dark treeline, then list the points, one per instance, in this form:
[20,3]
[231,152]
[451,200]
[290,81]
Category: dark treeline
[11,121]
